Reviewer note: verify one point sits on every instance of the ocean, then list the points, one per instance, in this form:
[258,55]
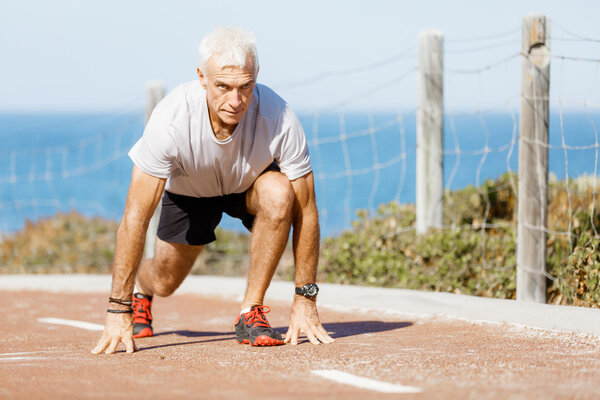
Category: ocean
[53,163]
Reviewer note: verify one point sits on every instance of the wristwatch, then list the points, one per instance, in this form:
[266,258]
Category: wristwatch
[308,291]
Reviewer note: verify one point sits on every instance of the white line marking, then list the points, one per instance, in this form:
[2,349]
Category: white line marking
[19,354]
[77,324]
[19,358]
[364,383]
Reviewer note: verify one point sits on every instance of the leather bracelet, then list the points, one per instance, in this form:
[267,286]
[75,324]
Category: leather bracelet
[128,311]
[120,301]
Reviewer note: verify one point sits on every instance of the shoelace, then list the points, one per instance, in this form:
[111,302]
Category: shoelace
[141,309]
[256,317]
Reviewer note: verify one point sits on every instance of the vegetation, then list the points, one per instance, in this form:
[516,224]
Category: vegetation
[73,243]
[473,254]
[66,243]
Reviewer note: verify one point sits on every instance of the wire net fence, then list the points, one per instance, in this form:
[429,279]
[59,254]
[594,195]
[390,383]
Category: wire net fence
[363,157]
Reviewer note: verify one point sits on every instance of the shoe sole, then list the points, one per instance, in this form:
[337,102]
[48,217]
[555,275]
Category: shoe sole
[262,340]
[146,332]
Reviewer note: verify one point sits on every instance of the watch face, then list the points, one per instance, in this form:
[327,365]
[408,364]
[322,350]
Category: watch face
[311,290]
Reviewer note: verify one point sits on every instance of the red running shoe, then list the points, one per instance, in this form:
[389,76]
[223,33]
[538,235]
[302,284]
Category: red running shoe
[142,317]
[253,328]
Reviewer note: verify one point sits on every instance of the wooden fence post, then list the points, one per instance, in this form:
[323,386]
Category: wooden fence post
[155,91]
[430,139]
[533,159]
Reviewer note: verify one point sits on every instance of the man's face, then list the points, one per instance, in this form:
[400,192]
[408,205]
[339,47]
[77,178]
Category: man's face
[228,91]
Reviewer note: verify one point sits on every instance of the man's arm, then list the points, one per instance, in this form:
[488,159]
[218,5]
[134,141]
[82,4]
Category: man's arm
[144,194]
[304,317]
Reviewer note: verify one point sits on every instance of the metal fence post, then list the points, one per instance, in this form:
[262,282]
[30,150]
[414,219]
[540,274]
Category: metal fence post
[533,159]
[430,121]
[155,91]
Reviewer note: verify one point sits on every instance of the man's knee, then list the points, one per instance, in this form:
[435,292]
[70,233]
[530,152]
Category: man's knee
[171,264]
[163,288]
[276,198]
[164,285]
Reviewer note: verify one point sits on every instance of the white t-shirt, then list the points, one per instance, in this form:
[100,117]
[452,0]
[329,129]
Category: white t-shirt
[179,144]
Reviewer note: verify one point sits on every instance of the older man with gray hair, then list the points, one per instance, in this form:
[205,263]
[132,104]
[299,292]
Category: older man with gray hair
[222,143]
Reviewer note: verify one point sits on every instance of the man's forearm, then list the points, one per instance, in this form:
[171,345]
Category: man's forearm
[304,316]
[128,255]
[144,194]
[306,245]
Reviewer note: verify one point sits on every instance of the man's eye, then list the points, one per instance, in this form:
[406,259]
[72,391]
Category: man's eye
[246,86]
[222,86]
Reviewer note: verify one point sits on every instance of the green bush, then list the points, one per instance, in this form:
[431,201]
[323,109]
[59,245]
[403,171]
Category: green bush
[475,253]
[385,251]
[66,243]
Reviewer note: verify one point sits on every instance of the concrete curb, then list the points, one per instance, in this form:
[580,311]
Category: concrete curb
[346,297]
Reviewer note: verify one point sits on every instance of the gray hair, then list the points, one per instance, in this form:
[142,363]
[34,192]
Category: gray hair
[230,47]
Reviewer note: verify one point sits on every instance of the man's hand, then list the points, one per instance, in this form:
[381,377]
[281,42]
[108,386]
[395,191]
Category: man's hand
[305,319]
[118,328]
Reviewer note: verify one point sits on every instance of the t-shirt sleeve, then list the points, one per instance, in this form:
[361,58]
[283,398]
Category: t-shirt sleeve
[293,155]
[155,151]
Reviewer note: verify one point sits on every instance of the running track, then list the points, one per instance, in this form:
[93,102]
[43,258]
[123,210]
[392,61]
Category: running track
[389,344]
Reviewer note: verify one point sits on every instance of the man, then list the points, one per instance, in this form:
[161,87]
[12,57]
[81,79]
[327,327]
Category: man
[220,144]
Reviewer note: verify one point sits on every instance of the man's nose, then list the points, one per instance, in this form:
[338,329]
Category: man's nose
[235,99]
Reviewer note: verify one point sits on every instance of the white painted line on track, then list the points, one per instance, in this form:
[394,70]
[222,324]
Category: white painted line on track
[19,354]
[69,322]
[364,383]
[19,358]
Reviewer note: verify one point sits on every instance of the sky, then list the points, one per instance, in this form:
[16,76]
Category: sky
[75,55]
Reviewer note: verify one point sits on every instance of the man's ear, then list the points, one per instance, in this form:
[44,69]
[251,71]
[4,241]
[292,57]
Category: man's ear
[202,78]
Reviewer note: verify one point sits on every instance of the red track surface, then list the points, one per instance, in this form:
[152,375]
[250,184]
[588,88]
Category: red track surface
[194,355]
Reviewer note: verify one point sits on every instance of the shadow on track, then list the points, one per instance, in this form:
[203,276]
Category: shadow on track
[160,346]
[344,329]
[336,330]
[188,333]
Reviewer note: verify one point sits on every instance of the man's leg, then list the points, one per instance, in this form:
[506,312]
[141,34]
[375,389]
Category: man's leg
[163,274]
[271,200]
[160,275]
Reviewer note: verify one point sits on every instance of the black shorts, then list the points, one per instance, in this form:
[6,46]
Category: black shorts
[192,220]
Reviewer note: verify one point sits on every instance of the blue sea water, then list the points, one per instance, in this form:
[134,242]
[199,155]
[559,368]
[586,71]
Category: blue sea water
[53,163]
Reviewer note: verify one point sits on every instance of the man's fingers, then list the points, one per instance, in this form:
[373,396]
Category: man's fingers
[323,335]
[305,320]
[325,338]
[130,346]
[311,336]
[100,346]
[113,346]
[329,339]
[288,336]
[293,336]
